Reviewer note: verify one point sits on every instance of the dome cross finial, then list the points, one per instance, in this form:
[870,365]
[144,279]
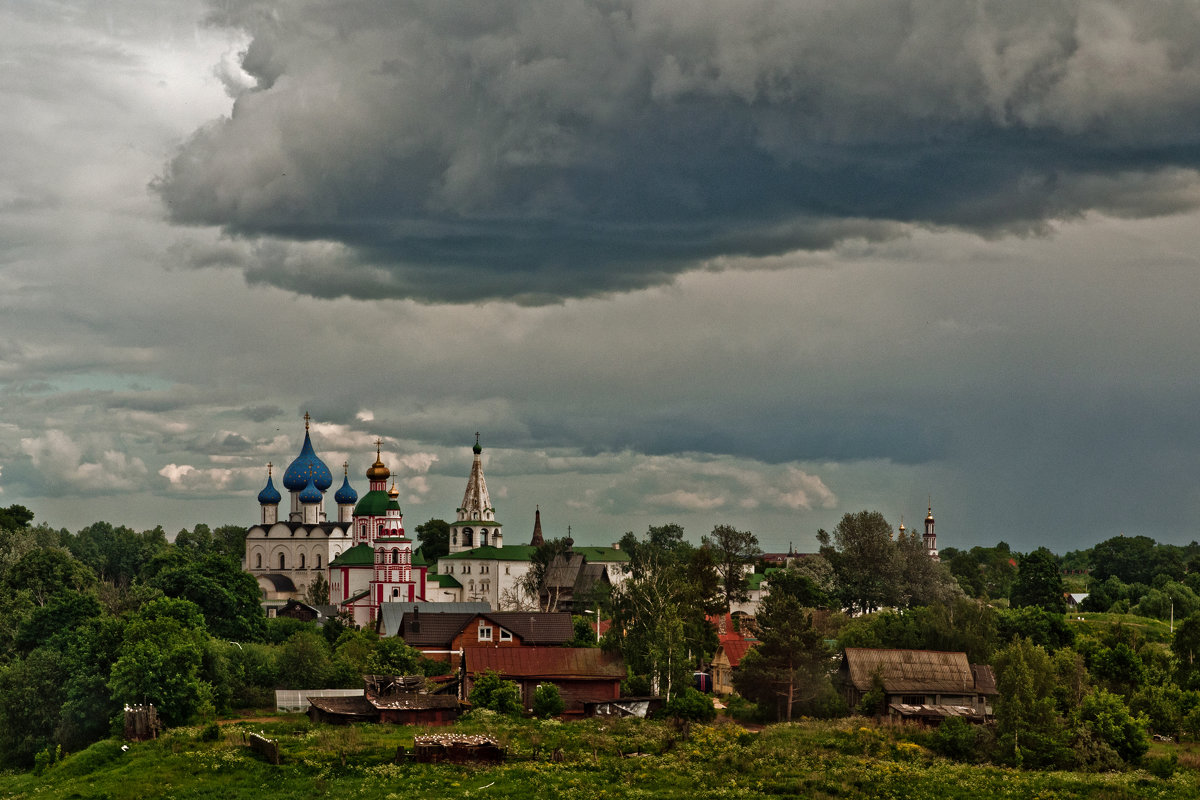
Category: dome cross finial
[306,420]
[269,465]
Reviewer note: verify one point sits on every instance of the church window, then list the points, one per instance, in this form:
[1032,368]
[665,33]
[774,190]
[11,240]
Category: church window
[302,561]
[506,572]
[467,537]
[395,592]
[282,561]
[454,537]
[258,561]
[381,529]
[449,569]
[483,537]
[485,632]
[395,555]
[318,561]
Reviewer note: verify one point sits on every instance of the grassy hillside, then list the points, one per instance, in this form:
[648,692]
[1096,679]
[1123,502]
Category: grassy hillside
[1093,623]
[629,758]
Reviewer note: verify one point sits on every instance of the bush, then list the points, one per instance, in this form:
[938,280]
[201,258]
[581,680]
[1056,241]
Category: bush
[1161,766]
[547,702]
[691,706]
[210,732]
[955,738]
[496,694]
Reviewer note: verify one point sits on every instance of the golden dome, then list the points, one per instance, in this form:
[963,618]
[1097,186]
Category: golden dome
[393,492]
[377,471]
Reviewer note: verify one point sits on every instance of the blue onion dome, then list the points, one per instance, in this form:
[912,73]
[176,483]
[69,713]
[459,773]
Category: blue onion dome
[269,496]
[311,493]
[307,467]
[346,495]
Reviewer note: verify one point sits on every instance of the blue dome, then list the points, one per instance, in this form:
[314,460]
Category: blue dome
[307,467]
[311,493]
[269,496]
[346,495]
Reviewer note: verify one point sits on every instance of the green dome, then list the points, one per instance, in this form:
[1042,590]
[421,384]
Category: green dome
[374,504]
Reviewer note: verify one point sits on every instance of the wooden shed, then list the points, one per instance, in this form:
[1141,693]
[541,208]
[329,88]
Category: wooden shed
[916,682]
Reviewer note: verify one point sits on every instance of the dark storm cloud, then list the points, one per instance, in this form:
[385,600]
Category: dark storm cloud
[539,150]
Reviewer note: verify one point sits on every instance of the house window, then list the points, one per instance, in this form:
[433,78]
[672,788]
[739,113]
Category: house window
[282,561]
[505,636]
[485,632]
[913,699]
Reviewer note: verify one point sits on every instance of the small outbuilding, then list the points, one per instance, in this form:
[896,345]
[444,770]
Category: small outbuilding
[919,684]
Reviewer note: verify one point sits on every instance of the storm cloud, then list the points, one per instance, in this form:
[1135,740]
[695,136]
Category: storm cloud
[541,150]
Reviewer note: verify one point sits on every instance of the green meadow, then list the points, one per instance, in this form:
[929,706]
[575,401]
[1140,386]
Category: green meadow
[847,758]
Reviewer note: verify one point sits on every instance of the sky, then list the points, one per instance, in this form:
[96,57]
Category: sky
[758,264]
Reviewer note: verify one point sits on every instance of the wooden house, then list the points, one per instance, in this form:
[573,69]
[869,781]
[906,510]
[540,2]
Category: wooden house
[443,636]
[919,684]
[729,654]
[582,674]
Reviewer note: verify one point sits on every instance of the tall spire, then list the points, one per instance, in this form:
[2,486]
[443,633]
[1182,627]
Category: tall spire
[477,503]
[537,540]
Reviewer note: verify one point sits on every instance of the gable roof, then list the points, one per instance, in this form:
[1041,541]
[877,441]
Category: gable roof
[553,627]
[391,615]
[734,649]
[434,629]
[545,662]
[909,671]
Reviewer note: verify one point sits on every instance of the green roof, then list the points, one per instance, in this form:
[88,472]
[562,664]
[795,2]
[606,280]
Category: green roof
[444,581]
[524,552]
[756,579]
[478,522]
[510,552]
[356,556]
[375,504]
[602,553]
[358,596]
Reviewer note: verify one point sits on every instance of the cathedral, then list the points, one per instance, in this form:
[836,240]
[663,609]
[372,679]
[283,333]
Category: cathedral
[365,557]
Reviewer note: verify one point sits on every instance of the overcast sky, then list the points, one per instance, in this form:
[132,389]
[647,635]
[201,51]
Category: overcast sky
[749,263]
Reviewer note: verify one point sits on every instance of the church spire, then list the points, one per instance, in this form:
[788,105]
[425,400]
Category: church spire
[537,540]
[476,523]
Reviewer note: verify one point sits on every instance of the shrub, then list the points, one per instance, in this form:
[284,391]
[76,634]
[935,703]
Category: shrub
[691,706]
[547,702]
[496,694]
[955,738]
[1161,766]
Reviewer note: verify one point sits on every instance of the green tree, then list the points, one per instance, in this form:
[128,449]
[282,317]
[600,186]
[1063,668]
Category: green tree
[864,559]
[228,597]
[547,702]
[160,658]
[304,661]
[790,665]
[733,551]
[15,517]
[434,535]
[690,706]
[317,593]
[1105,715]
[1029,730]
[1186,646]
[494,693]
[1039,582]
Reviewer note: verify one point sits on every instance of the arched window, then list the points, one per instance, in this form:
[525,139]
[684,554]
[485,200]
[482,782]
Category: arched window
[258,561]
[483,537]
[395,555]
[302,561]
[454,537]
[282,561]
[318,561]
[381,529]
[467,537]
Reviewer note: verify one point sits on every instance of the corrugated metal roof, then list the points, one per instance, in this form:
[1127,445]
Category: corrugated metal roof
[910,671]
[545,662]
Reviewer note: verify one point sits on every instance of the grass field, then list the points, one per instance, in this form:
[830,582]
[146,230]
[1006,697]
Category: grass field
[626,758]
[1155,630]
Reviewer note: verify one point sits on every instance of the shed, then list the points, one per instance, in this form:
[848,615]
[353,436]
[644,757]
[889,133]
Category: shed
[917,678]
[581,674]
